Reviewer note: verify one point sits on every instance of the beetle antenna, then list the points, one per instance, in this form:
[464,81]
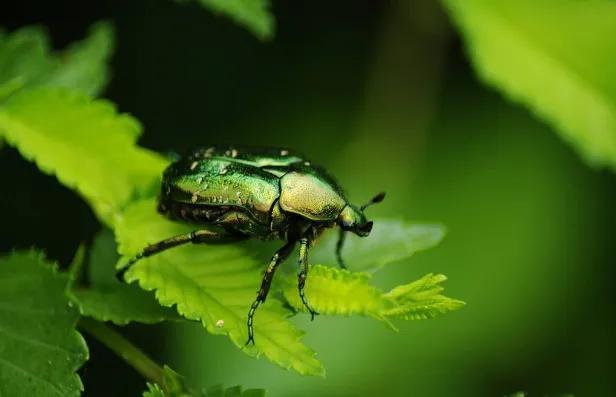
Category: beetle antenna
[376,199]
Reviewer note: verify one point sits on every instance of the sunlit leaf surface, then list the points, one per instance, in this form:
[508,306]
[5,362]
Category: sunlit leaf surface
[336,291]
[86,143]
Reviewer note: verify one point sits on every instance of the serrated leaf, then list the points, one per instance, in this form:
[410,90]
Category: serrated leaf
[390,241]
[340,292]
[214,284]
[85,143]
[254,15]
[40,350]
[420,299]
[107,299]
[26,61]
[555,57]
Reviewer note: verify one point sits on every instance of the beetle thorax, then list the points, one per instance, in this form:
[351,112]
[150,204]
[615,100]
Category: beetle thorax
[310,196]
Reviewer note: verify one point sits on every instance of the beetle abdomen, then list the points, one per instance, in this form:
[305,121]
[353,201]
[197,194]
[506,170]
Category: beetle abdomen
[221,182]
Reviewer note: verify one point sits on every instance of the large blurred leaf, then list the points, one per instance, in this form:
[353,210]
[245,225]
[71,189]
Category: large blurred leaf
[254,15]
[85,143]
[40,350]
[26,61]
[390,241]
[107,299]
[212,284]
[556,57]
[336,291]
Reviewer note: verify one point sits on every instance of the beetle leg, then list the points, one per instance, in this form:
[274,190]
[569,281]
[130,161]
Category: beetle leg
[339,245]
[303,274]
[196,237]
[277,259]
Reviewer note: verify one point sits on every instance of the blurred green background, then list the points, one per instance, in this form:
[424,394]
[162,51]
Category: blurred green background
[382,94]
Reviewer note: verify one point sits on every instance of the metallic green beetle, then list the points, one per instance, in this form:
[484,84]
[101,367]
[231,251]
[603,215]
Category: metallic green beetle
[236,193]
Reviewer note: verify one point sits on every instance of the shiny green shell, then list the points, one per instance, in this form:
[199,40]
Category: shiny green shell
[253,179]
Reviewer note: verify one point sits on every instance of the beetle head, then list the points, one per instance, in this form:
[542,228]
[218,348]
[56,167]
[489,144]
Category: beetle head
[352,219]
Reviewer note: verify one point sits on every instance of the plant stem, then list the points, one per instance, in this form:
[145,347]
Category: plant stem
[125,349]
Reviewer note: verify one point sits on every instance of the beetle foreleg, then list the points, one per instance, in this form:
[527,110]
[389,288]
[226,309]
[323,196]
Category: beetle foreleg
[196,237]
[303,274]
[277,259]
[339,245]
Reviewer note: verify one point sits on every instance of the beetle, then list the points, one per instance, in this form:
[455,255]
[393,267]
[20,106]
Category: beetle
[235,193]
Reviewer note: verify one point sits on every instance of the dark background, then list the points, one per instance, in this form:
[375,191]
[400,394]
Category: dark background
[382,94]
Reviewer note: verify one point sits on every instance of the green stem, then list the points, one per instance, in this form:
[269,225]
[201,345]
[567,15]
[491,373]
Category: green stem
[125,349]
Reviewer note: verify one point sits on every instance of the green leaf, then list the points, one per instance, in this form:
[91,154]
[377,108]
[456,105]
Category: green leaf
[555,57]
[214,284]
[340,292]
[85,143]
[254,15]
[419,300]
[153,391]
[24,57]
[40,348]
[107,299]
[390,241]
[26,61]
[84,66]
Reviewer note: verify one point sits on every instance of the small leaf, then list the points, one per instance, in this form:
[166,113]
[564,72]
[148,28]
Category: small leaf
[84,66]
[24,56]
[214,284]
[555,57]
[390,241]
[26,61]
[107,299]
[420,299]
[153,391]
[85,143]
[254,15]
[40,348]
[340,292]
